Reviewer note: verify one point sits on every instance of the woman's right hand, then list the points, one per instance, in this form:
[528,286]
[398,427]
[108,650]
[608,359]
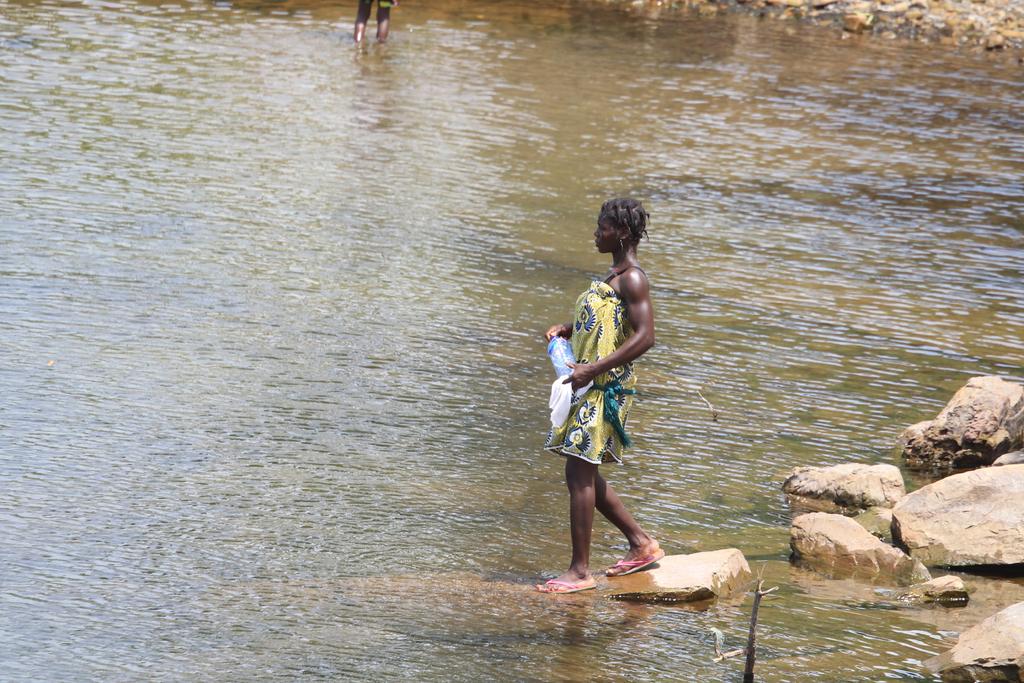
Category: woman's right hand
[558,331]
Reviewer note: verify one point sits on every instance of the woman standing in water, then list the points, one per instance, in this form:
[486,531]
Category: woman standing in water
[614,326]
[383,19]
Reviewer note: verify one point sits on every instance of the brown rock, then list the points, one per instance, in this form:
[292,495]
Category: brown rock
[969,519]
[685,578]
[995,41]
[848,485]
[983,420]
[946,590]
[991,651]
[858,22]
[878,522]
[841,544]
[1015,458]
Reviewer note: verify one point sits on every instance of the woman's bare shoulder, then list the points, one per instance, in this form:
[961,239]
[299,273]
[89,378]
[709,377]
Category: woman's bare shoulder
[633,283]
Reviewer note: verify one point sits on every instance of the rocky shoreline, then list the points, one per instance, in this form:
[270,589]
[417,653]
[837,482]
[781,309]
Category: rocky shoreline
[991,25]
[970,518]
[857,521]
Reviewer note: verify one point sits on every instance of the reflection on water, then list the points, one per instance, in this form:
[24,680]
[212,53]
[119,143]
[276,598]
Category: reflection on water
[274,391]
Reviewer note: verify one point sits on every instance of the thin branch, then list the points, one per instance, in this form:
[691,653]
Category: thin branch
[729,654]
[714,413]
[719,642]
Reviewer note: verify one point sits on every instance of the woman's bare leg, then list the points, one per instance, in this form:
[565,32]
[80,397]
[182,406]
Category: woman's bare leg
[383,23]
[362,16]
[641,544]
[609,505]
[580,478]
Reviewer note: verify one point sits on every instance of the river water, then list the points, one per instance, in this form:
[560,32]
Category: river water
[270,307]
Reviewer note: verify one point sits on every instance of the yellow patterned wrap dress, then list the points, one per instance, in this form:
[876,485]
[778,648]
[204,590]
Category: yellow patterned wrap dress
[599,329]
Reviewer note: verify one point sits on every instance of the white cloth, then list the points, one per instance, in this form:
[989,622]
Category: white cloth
[561,399]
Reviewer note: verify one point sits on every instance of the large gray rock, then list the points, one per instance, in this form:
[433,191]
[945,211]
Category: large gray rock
[991,651]
[842,545]
[848,486]
[685,578]
[967,519]
[983,420]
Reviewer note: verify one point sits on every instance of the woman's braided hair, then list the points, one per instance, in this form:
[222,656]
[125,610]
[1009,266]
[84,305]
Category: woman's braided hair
[627,213]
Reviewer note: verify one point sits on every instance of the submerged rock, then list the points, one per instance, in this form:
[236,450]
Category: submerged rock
[991,651]
[685,578]
[840,544]
[878,522]
[945,590]
[983,420]
[967,519]
[848,486]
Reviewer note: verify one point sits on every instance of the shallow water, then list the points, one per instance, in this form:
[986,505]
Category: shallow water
[274,388]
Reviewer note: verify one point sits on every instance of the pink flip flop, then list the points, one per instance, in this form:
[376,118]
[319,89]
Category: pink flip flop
[634,565]
[568,587]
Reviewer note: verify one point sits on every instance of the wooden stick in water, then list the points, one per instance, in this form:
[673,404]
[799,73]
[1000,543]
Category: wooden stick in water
[748,669]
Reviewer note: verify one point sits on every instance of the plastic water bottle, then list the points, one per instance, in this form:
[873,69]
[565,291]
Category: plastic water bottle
[560,353]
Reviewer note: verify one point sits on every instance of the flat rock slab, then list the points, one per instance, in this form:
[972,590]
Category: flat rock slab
[991,651]
[851,485]
[970,519]
[685,578]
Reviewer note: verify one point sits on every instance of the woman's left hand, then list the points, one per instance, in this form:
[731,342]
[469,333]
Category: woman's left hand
[582,375]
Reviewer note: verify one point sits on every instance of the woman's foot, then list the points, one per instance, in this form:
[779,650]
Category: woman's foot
[637,558]
[569,582]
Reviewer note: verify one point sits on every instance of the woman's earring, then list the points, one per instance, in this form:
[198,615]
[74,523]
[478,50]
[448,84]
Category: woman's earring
[621,247]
